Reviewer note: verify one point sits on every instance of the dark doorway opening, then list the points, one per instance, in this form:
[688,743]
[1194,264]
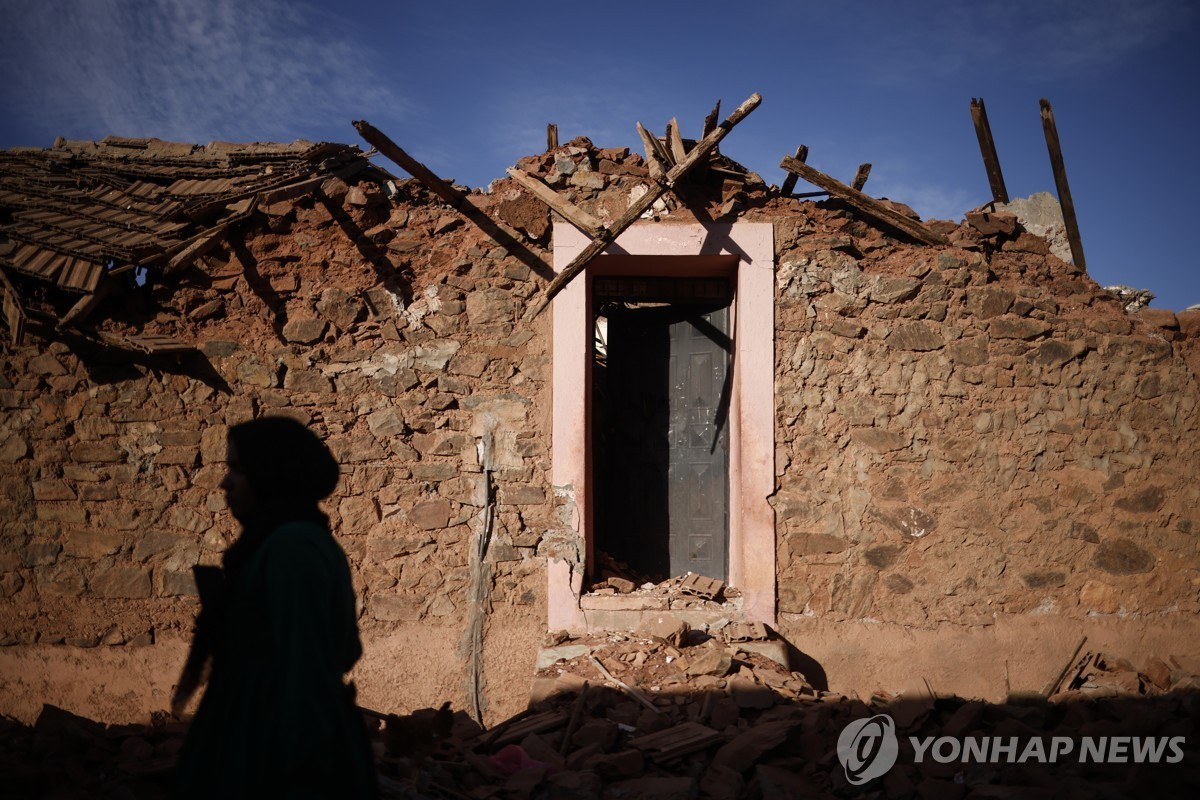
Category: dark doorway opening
[661,387]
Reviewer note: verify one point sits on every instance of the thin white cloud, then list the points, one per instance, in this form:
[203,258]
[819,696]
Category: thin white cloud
[185,70]
[1042,39]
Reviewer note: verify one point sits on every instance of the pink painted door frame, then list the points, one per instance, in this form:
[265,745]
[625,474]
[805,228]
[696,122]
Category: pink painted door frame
[746,251]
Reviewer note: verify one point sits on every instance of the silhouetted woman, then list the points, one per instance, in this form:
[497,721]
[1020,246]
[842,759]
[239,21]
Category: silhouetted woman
[277,719]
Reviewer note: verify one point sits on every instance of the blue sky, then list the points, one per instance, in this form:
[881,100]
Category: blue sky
[468,87]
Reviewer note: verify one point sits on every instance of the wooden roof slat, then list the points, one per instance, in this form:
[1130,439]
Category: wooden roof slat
[867,205]
[80,275]
[146,343]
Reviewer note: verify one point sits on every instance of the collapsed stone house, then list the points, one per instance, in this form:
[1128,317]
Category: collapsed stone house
[946,458]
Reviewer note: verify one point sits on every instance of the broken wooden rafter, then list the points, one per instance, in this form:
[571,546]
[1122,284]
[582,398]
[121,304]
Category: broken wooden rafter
[1060,181]
[639,206]
[658,160]
[14,313]
[202,242]
[789,183]
[86,305]
[710,122]
[573,723]
[565,208]
[676,741]
[867,205]
[551,137]
[860,177]
[456,199]
[675,141]
[1052,687]
[987,148]
[623,686]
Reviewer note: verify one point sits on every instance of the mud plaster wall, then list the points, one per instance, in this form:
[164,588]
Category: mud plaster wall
[972,442]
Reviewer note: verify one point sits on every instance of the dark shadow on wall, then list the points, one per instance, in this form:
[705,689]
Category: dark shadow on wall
[107,364]
[372,253]
[261,286]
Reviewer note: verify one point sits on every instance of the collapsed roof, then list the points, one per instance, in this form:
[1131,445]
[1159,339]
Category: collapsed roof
[81,216]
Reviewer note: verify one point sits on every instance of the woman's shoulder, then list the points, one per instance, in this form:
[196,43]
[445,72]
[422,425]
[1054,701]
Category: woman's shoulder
[299,530]
[300,539]
[301,548]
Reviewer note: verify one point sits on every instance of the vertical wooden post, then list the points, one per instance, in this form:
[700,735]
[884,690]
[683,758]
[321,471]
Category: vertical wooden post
[1060,181]
[551,136]
[789,183]
[987,148]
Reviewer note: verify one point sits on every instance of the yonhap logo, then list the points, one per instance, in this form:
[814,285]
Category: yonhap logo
[868,748]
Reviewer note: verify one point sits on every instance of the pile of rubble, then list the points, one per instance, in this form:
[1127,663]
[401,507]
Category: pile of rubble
[692,715]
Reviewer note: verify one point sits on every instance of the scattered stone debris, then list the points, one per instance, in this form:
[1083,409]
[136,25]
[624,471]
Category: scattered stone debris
[746,728]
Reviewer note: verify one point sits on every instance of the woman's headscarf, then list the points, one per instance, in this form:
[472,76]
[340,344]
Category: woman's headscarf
[290,471]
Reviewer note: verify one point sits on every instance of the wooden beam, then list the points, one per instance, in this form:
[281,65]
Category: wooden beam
[710,122]
[987,148]
[658,160]
[551,136]
[1060,181]
[867,205]
[201,243]
[410,165]
[701,151]
[789,183]
[457,200]
[568,210]
[14,314]
[860,177]
[709,143]
[86,305]
[675,141]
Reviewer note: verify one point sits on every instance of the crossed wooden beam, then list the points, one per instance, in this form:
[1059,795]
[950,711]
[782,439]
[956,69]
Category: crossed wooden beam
[671,165]
[668,164]
[670,160]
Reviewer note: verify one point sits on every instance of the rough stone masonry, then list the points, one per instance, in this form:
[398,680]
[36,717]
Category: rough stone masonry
[976,448]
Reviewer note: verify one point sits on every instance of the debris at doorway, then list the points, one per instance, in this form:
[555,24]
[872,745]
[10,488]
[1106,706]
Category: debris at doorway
[617,577]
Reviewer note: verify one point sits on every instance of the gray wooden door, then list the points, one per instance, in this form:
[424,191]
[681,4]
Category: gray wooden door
[698,477]
[662,441]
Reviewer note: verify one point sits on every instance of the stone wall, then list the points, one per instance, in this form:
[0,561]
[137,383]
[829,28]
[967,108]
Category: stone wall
[966,435]
[389,327]
[976,432]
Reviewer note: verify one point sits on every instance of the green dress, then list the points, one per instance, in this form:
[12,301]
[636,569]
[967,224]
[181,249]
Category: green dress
[277,719]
